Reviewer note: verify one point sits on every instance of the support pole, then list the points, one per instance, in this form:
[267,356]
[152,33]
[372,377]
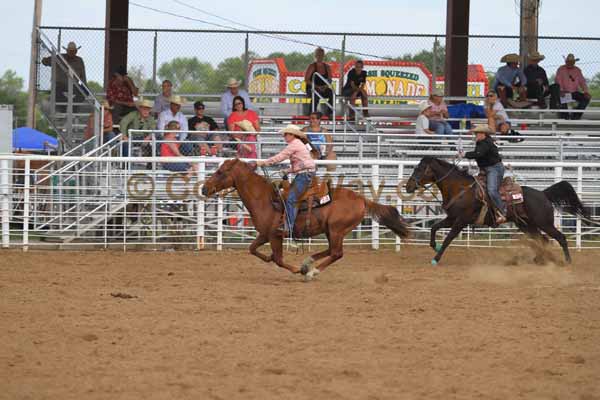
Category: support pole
[457,47]
[32,91]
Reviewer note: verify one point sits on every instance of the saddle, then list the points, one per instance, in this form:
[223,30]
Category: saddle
[510,192]
[317,195]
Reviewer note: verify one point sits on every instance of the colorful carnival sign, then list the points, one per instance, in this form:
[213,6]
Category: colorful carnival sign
[384,79]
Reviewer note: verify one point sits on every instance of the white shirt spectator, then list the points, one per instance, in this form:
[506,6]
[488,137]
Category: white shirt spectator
[227,102]
[167,116]
[422,125]
[499,108]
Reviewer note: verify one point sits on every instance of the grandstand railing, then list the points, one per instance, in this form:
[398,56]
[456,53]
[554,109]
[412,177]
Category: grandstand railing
[128,206]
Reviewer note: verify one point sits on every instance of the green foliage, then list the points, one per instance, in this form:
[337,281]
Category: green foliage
[12,92]
[426,57]
[95,87]
[594,85]
[189,75]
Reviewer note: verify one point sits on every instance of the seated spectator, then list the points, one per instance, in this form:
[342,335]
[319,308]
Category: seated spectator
[422,124]
[107,124]
[233,90]
[497,117]
[61,79]
[173,113]
[320,83]
[141,119]
[438,114]
[355,87]
[170,148]
[242,119]
[572,83]
[119,94]
[320,139]
[510,78]
[161,102]
[538,86]
[203,128]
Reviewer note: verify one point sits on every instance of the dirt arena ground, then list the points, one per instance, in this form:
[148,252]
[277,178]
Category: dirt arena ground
[377,325]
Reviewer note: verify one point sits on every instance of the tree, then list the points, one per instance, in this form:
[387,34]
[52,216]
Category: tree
[594,85]
[11,92]
[426,57]
[95,87]
[188,75]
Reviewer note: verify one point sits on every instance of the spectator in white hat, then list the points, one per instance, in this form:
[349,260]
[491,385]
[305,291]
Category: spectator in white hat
[422,124]
[233,90]
[173,113]
[78,66]
[538,86]
[510,78]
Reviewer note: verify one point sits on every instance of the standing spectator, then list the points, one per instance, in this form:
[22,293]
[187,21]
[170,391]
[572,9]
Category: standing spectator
[510,78]
[242,119]
[422,124]
[161,102]
[173,113]
[321,84]
[62,81]
[355,87]
[322,140]
[107,124]
[170,148]
[119,94]
[538,86]
[203,128]
[438,114]
[571,82]
[233,90]
[141,119]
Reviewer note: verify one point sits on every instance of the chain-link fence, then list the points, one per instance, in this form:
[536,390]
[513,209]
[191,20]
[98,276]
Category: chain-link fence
[202,61]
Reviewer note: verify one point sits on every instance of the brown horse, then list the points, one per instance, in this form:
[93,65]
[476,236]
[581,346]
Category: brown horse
[336,219]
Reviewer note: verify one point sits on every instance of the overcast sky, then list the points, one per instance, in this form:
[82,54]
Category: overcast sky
[397,16]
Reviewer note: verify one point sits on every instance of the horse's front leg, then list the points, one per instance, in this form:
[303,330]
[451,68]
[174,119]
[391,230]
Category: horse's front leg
[277,256]
[256,243]
[445,223]
[454,231]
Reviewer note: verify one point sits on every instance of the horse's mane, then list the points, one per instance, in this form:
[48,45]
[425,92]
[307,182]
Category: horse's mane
[461,172]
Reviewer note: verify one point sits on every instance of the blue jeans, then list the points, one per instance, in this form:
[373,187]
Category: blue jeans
[440,127]
[494,175]
[299,185]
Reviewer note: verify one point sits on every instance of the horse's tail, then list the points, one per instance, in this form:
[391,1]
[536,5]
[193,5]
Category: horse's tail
[563,196]
[388,216]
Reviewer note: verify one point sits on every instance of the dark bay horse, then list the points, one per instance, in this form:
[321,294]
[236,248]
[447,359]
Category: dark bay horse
[335,220]
[533,216]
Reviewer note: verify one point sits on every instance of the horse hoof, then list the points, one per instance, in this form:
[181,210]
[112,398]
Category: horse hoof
[304,269]
[434,262]
[308,261]
[438,247]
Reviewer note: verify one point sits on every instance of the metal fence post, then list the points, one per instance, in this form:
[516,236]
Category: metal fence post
[434,63]
[219,223]
[557,214]
[399,199]
[375,224]
[200,215]
[26,204]
[246,59]
[579,193]
[154,57]
[5,192]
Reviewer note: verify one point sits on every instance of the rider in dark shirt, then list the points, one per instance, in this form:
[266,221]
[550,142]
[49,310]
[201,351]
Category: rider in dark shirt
[488,158]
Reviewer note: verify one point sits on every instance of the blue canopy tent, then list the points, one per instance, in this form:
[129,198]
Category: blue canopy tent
[29,139]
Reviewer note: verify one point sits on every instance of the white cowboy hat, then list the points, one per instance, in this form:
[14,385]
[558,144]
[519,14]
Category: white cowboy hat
[424,105]
[176,100]
[232,82]
[483,129]
[510,58]
[295,131]
[106,105]
[246,126]
[144,103]
[536,56]
[437,92]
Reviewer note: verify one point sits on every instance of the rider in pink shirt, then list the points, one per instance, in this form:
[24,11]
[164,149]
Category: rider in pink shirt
[302,165]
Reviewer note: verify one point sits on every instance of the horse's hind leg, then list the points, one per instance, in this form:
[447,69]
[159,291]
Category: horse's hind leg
[259,241]
[277,256]
[560,238]
[336,251]
[308,261]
